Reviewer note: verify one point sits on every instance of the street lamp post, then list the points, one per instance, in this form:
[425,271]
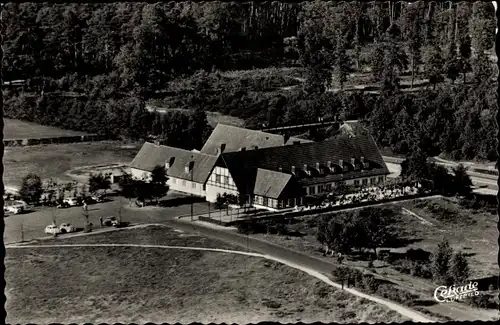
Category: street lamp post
[192,168]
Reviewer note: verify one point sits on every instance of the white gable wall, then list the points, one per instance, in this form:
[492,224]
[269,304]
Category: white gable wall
[220,182]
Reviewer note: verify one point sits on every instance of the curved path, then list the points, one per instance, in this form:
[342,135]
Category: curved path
[413,315]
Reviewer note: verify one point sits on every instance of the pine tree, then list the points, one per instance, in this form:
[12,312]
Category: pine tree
[441,261]
[459,270]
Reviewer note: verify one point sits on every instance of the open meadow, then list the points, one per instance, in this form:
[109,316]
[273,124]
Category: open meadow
[17,129]
[136,284]
[419,226]
[55,160]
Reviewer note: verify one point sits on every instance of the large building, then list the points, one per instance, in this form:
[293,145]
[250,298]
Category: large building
[270,171]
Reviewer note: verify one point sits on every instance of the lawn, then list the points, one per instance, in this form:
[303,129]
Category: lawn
[17,129]
[139,285]
[55,160]
[472,232]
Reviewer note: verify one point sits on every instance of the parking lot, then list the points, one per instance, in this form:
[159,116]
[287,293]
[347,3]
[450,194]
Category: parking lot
[31,225]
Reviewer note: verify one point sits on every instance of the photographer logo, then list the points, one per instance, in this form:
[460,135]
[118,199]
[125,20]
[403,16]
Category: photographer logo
[453,293]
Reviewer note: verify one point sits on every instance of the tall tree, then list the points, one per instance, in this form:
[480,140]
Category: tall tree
[158,182]
[31,188]
[441,261]
[459,268]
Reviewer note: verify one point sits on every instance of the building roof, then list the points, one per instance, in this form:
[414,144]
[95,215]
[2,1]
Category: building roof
[244,165]
[152,155]
[234,138]
[270,183]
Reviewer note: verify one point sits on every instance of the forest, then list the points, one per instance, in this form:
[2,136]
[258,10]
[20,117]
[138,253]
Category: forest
[94,67]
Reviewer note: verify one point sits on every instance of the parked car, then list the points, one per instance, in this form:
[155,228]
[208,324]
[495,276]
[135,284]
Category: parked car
[16,207]
[71,201]
[52,229]
[110,221]
[66,228]
[63,205]
[97,198]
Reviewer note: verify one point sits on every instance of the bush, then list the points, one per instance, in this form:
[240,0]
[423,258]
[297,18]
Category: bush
[481,301]
[370,283]
[395,294]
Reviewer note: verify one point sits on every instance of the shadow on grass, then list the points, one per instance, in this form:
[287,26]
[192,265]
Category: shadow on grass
[424,303]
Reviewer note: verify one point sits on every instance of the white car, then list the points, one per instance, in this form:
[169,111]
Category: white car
[66,228]
[16,207]
[71,201]
[52,229]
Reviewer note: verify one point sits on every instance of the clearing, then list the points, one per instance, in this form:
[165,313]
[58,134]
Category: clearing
[168,285]
[54,160]
[17,129]
[213,118]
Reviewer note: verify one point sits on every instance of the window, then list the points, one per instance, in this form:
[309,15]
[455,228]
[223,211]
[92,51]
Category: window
[373,180]
[193,185]
[217,179]
[226,179]
[312,190]
[265,201]
[381,179]
[356,182]
[365,181]
[328,187]
[183,182]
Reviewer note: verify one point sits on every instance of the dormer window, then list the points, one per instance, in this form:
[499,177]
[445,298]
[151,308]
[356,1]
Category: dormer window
[169,163]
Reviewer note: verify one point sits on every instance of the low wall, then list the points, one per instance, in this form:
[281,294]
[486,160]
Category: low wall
[54,140]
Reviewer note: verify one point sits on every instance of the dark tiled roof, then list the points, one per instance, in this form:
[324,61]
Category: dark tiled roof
[270,183]
[152,155]
[243,165]
[236,138]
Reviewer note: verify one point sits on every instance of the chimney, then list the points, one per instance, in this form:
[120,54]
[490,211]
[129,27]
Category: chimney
[341,163]
[189,167]
[353,161]
[280,169]
[318,167]
[292,169]
[222,147]
[186,169]
[218,151]
[167,164]
[256,147]
[306,169]
[243,149]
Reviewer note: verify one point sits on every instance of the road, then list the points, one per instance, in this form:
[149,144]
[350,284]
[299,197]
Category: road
[455,311]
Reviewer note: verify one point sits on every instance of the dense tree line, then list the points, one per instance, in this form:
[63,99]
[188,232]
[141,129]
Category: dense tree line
[92,67]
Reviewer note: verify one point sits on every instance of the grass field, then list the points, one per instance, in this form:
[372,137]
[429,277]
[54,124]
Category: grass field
[473,233]
[55,160]
[16,129]
[166,285]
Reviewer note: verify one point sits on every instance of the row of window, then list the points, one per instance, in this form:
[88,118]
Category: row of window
[183,182]
[327,188]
